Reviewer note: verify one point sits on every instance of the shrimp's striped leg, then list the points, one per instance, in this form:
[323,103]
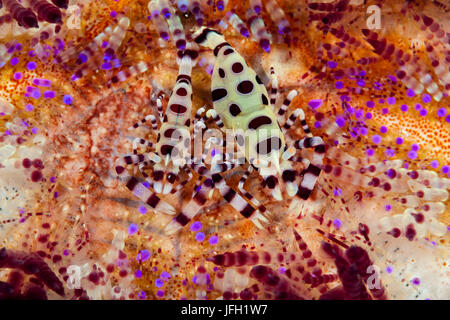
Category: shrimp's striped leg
[191,209]
[145,120]
[298,114]
[312,172]
[178,187]
[273,87]
[199,123]
[131,159]
[142,142]
[291,95]
[212,114]
[239,203]
[142,192]
[247,195]
[223,166]
[156,97]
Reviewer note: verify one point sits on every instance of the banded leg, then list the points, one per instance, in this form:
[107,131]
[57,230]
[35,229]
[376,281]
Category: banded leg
[247,195]
[142,192]
[273,88]
[239,203]
[312,172]
[199,123]
[132,159]
[291,95]
[298,114]
[143,143]
[212,114]
[192,208]
[178,187]
[160,109]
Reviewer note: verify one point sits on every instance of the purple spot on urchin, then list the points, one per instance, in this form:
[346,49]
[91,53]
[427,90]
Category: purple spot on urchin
[49,94]
[370,152]
[376,139]
[143,255]
[416,281]
[132,229]
[389,269]
[445,169]
[404,108]
[142,210]
[426,98]
[370,104]
[412,155]
[337,223]
[36,94]
[423,112]
[106,66]
[14,61]
[410,93]
[315,103]
[359,114]
[332,64]
[31,65]
[337,192]
[67,99]
[138,274]
[383,129]
[399,140]
[339,84]
[392,78]
[434,164]
[415,147]
[368,115]
[418,106]
[340,122]
[200,236]
[213,240]
[441,112]
[159,283]
[391,100]
[196,226]
[388,207]
[363,131]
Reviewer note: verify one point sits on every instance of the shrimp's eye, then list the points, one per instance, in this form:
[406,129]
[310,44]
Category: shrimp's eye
[171,177]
